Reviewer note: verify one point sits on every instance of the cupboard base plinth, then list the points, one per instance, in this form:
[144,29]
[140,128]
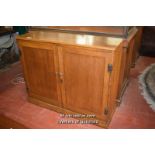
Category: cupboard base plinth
[101,123]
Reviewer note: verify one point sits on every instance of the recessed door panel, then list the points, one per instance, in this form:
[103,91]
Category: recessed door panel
[86,80]
[40,73]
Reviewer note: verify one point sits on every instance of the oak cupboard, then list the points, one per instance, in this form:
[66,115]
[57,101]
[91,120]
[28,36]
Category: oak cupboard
[75,73]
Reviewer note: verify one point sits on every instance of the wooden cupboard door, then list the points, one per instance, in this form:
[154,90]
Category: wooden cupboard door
[39,61]
[85,80]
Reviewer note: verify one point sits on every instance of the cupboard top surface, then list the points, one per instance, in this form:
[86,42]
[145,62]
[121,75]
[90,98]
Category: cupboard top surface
[102,42]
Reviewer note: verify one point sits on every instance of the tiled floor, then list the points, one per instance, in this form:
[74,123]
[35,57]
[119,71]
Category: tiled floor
[133,112]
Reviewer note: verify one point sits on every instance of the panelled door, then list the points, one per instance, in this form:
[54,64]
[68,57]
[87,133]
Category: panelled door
[40,68]
[84,79]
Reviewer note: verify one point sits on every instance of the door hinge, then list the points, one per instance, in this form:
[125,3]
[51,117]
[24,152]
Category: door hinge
[106,111]
[110,68]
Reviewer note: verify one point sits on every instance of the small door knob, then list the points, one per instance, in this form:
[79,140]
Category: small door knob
[61,75]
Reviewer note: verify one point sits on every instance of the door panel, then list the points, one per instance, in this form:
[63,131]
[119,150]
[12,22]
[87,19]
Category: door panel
[86,80]
[40,73]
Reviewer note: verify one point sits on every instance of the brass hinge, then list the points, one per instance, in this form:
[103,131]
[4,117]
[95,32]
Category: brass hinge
[110,68]
[106,111]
